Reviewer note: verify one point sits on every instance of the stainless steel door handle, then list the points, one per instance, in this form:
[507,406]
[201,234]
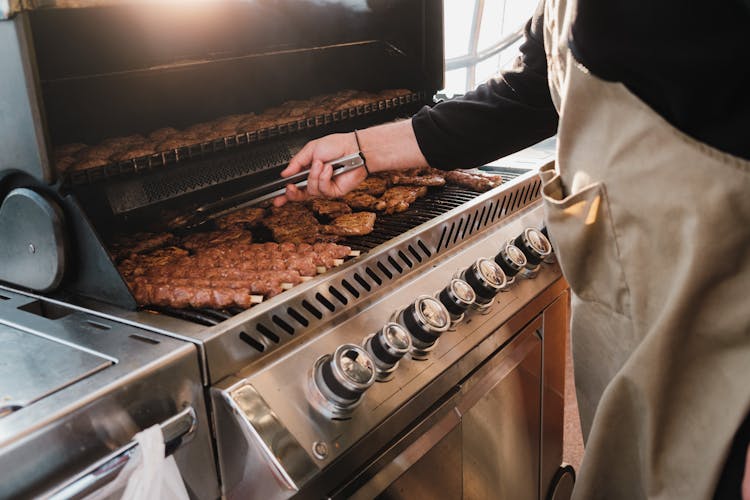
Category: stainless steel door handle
[177,430]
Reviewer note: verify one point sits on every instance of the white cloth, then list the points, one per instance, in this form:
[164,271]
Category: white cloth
[148,475]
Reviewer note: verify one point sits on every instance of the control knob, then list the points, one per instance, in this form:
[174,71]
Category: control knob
[457,297]
[340,379]
[535,246]
[425,320]
[487,279]
[511,260]
[386,348]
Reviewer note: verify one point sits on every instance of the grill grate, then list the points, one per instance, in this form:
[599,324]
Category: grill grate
[201,150]
[435,203]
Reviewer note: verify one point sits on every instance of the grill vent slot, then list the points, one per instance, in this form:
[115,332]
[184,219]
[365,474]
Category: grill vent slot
[252,342]
[313,310]
[478,218]
[469,222]
[283,324]
[442,237]
[424,248]
[267,333]
[338,295]
[325,302]
[405,259]
[362,282]
[395,264]
[297,316]
[385,270]
[414,253]
[350,288]
[374,276]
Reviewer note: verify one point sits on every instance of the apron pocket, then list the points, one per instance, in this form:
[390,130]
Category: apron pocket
[582,233]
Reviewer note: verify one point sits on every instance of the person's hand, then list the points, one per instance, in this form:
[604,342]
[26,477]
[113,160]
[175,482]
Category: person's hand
[316,156]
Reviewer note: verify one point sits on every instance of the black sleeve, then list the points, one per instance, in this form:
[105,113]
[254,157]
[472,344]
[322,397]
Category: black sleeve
[500,117]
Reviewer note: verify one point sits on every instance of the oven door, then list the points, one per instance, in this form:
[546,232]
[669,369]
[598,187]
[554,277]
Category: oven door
[482,442]
[501,411]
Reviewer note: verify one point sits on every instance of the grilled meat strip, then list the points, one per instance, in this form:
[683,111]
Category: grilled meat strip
[182,296]
[398,198]
[329,208]
[295,223]
[196,241]
[416,177]
[225,275]
[374,185]
[473,180]
[140,243]
[356,224]
[358,200]
[244,217]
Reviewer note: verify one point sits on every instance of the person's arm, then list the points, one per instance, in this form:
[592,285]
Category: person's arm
[500,117]
[385,147]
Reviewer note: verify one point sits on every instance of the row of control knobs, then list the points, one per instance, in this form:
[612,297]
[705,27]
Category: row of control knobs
[339,379]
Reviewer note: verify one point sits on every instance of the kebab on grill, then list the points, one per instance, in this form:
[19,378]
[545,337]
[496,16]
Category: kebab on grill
[224,275]
[224,268]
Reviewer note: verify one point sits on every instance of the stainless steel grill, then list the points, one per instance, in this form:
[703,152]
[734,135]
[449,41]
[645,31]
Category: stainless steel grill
[250,370]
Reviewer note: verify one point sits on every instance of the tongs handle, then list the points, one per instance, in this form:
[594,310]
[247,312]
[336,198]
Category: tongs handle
[277,187]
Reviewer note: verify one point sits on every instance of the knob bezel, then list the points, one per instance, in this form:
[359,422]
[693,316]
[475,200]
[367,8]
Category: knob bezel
[451,298]
[333,392]
[384,353]
[424,334]
[511,259]
[527,243]
[486,285]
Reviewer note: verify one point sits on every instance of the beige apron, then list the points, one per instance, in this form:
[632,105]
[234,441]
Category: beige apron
[652,229]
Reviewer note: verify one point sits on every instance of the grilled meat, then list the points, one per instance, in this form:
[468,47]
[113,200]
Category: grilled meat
[473,180]
[181,295]
[416,177]
[374,185]
[168,138]
[359,200]
[140,243]
[197,241]
[356,224]
[225,275]
[244,217]
[398,198]
[294,223]
[329,208]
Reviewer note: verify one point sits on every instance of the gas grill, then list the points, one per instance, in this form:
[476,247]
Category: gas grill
[290,383]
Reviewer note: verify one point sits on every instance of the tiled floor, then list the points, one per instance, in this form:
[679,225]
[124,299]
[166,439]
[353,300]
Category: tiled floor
[572,439]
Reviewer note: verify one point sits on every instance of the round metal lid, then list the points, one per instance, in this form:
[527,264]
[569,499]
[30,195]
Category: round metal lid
[462,291]
[353,366]
[432,313]
[396,337]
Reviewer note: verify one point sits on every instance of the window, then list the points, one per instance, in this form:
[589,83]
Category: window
[481,38]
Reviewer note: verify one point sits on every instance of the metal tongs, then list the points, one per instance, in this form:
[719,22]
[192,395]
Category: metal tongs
[278,187]
[267,191]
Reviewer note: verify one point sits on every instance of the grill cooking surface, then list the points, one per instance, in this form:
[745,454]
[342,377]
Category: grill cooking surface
[203,149]
[435,203]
